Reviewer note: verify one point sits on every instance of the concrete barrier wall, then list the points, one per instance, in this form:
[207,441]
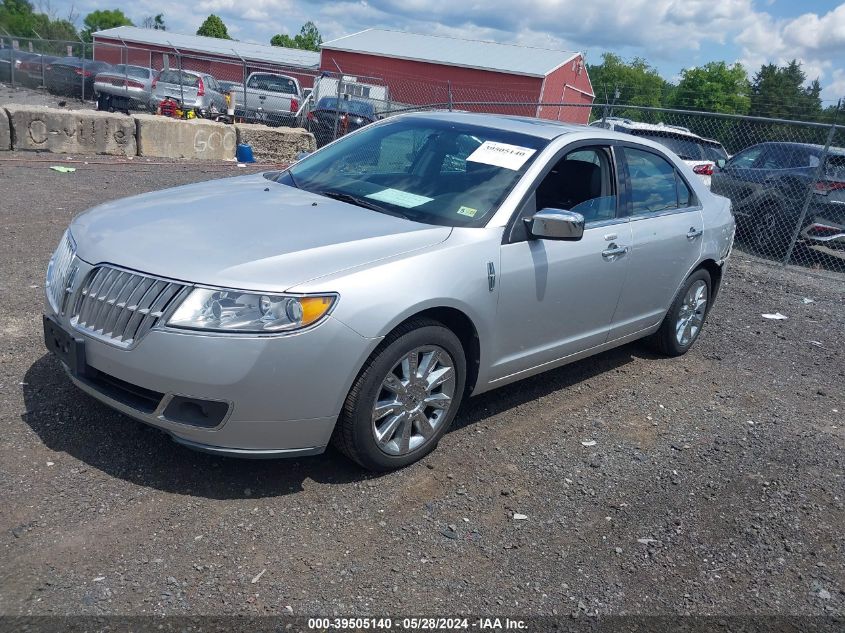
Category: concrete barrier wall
[275,144]
[5,131]
[71,132]
[32,128]
[174,138]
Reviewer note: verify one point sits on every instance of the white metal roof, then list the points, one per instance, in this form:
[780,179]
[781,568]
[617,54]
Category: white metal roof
[451,51]
[214,46]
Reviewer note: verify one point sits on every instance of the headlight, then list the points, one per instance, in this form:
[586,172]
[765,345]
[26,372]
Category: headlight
[235,311]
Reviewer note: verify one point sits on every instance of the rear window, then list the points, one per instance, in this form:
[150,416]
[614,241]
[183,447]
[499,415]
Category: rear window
[685,148]
[346,105]
[834,167]
[172,77]
[714,152]
[273,83]
[134,71]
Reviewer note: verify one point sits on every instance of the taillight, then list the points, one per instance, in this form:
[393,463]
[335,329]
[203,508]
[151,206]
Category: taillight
[200,87]
[153,85]
[704,170]
[310,116]
[824,230]
[83,73]
[294,105]
[134,84]
[824,187]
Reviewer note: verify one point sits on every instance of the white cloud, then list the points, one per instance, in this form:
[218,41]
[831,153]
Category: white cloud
[817,41]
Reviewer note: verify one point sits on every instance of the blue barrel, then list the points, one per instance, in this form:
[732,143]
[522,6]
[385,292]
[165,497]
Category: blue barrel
[244,153]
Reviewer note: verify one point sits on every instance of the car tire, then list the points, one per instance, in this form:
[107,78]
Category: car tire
[686,312]
[355,434]
[770,231]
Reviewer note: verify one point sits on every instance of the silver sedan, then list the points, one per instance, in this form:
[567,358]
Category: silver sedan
[360,295]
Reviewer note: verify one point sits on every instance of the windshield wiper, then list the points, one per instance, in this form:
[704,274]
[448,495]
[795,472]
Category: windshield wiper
[361,202]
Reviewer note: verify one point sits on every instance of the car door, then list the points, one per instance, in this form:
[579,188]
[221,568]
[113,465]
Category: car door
[557,298]
[666,232]
[739,179]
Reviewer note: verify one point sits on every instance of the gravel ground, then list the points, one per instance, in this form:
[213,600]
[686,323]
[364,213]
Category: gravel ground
[714,484]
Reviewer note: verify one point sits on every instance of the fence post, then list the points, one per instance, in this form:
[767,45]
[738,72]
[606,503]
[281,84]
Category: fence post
[449,88]
[82,77]
[819,173]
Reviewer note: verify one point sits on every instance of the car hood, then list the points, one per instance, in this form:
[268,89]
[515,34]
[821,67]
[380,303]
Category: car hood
[247,233]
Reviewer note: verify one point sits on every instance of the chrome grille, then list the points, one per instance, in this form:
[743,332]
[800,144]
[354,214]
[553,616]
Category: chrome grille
[60,274]
[121,306]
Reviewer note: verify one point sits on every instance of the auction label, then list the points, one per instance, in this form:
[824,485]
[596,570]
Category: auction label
[501,155]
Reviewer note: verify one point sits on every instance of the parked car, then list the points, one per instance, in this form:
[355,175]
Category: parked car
[230,86]
[32,69]
[699,153]
[68,76]
[10,63]
[352,115]
[199,91]
[124,87]
[362,293]
[271,99]
[769,183]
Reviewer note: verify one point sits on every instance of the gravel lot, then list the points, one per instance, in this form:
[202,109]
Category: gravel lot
[715,484]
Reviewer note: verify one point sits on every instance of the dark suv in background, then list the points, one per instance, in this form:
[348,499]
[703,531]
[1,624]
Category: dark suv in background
[768,185]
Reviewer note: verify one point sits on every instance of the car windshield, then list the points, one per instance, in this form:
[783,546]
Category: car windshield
[685,148]
[426,170]
[353,107]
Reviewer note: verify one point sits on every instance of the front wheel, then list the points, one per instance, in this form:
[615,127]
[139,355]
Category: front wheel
[405,397]
[685,318]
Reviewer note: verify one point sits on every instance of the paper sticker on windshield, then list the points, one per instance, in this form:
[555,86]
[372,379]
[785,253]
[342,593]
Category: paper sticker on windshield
[501,155]
[467,211]
[399,198]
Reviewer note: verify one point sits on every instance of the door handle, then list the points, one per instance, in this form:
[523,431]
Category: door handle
[694,233]
[614,251]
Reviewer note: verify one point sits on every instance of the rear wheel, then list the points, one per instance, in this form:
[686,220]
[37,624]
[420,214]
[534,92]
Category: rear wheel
[685,318]
[405,397]
[770,232]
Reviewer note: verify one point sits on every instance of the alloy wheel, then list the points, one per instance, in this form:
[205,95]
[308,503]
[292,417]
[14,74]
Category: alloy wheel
[691,314]
[413,400]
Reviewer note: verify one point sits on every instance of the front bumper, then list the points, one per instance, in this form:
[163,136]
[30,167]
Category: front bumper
[281,394]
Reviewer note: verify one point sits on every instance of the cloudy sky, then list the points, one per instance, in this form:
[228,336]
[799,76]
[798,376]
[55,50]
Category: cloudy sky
[671,34]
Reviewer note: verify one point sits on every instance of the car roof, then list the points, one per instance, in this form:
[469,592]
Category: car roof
[817,148]
[541,128]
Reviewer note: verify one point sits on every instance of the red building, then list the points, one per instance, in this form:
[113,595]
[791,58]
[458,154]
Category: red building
[469,74]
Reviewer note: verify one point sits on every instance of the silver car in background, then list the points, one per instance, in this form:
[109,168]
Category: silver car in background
[124,87]
[199,91]
[361,294]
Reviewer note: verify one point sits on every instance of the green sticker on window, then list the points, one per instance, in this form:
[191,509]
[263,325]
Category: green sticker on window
[468,211]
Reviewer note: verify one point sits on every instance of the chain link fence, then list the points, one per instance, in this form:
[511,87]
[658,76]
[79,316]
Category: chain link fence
[786,179]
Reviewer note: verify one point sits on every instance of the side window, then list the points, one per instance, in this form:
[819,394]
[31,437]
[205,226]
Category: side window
[582,181]
[685,197]
[653,182]
[744,160]
[777,157]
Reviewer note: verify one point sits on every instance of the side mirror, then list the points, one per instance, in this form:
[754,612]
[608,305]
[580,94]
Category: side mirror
[556,224]
[721,163]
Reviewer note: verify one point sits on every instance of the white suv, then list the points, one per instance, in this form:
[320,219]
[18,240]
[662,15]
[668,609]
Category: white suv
[699,153]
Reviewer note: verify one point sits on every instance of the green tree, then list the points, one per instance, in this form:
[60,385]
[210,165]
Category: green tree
[102,19]
[635,82]
[17,17]
[155,22]
[308,39]
[213,27]
[714,87]
[780,92]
